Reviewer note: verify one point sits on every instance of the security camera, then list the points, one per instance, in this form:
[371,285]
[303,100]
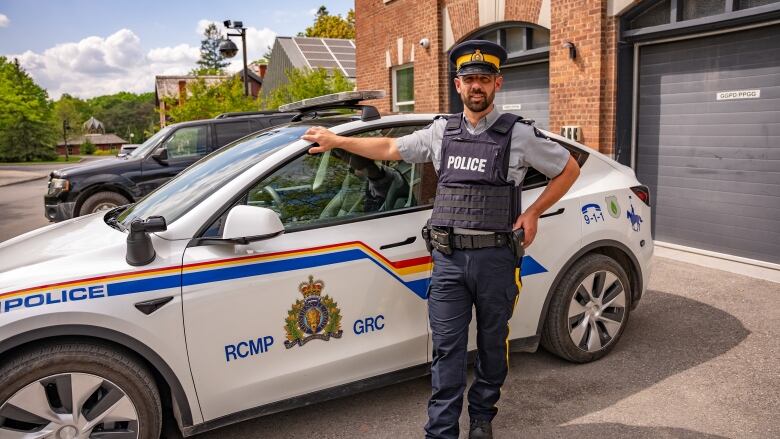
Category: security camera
[425,43]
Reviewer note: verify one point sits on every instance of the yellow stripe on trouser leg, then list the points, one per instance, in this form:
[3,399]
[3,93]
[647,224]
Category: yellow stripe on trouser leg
[508,328]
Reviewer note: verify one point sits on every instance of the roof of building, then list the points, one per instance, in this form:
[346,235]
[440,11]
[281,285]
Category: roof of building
[168,86]
[93,125]
[96,139]
[329,53]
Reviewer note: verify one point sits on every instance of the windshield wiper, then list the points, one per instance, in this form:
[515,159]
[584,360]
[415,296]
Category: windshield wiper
[111,216]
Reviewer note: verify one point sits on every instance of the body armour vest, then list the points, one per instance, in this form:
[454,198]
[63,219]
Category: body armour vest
[473,190]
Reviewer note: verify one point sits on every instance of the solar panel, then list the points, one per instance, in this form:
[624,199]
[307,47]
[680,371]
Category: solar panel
[328,53]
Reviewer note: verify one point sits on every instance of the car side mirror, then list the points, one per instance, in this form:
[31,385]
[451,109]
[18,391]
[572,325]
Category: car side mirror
[161,155]
[245,224]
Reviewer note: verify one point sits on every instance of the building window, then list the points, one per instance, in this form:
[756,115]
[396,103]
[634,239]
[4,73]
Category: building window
[403,89]
[655,15]
[745,4]
[702,8]
[517,39]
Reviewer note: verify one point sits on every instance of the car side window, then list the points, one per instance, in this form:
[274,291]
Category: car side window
[187,142]
[316,190]
[230,131]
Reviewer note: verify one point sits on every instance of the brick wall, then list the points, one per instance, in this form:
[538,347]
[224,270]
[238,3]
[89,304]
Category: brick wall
[582,91]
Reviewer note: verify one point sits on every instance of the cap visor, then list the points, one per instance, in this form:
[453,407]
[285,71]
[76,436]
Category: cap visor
[477,69]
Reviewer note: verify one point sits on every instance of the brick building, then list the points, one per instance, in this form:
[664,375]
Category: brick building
[687,92]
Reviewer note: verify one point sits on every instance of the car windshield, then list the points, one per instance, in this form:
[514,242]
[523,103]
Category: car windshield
[150,143]
[200,180]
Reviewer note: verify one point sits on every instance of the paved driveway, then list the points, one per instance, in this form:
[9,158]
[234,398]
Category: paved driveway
[698,360]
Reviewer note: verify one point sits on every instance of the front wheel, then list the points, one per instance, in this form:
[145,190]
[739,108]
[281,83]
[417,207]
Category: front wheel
[102,201]
[589,310]
[77,391]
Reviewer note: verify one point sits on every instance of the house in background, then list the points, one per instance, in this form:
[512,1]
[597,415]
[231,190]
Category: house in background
[94,133]
[304,52]
[176,86]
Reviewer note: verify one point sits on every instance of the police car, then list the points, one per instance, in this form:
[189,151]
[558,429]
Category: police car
[264,278]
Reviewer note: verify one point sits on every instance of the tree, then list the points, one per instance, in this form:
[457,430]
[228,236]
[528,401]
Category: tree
[26,119]
[204,101]
[72,109]
[211,62]
[307,83]
[332,26]
[125,113]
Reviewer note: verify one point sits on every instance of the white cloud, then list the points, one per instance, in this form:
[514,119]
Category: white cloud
[4,20]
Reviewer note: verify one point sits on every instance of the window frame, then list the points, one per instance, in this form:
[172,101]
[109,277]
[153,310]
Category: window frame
[394,78]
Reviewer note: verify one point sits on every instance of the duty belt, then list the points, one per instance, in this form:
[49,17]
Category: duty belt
[461,242]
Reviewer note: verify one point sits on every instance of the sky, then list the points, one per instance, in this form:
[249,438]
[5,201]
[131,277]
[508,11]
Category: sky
[90,48]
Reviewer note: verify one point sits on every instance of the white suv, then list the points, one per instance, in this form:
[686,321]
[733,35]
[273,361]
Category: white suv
[264,278]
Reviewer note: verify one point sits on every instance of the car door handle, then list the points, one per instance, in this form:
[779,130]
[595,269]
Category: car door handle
[406,241]
[557,212]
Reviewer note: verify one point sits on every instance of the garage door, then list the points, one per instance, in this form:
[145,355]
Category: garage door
[712,159]
[526,87]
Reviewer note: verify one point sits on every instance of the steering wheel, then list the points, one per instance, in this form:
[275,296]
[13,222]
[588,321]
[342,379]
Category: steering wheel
[278,206]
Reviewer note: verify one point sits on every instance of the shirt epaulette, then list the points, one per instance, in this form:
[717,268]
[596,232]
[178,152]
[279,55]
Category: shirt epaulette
[530,123]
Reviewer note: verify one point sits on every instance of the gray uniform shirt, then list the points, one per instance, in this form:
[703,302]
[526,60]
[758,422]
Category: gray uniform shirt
[526,150]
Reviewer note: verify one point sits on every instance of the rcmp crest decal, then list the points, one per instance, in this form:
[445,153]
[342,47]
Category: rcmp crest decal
[315,317]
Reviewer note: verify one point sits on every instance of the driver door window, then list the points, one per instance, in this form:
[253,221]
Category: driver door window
[335,185]
[187,142]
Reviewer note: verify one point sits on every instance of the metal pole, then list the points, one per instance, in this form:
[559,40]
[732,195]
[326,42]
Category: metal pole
[243,48]
[65,137]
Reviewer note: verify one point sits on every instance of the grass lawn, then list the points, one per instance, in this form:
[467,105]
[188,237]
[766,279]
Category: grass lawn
[60,159]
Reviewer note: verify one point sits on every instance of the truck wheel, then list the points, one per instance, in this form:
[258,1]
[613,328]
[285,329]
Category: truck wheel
[588,311]
[102,201]
[77,390]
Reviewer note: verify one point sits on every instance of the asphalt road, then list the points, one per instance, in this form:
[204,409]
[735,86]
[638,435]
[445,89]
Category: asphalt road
[21,206]
[698,360]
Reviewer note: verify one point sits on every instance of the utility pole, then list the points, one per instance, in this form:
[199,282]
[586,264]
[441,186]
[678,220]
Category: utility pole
[65,128]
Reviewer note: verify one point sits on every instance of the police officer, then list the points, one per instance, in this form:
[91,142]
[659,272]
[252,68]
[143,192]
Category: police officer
[481,157]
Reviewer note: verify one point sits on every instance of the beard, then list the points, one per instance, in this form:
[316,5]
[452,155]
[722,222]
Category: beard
[482,102]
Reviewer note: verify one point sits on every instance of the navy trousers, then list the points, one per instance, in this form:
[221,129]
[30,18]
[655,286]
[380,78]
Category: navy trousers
[485,279]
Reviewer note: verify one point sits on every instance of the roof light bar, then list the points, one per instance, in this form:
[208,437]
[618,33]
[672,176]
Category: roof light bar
[333,99]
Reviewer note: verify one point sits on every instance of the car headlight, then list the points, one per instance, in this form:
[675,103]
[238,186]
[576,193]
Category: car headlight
[57,185]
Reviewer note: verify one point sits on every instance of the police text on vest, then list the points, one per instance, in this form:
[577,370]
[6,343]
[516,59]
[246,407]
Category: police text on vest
[466,163]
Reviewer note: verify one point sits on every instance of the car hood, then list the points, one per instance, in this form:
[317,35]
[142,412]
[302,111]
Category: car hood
[49,253]
[93,166]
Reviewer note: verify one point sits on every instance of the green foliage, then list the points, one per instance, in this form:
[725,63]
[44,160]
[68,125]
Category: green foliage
[307,83]
[205,102]
[105,151]
[332,26]
[211,62]
[26,128]
[122,113]
[88,147]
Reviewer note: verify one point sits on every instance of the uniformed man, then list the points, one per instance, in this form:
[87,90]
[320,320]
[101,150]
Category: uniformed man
[481,157]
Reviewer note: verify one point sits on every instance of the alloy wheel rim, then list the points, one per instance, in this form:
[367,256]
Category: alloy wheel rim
[69,406]
[597,311]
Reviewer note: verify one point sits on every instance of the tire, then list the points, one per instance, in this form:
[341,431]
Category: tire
[593,321]
[102,201]
[114,394]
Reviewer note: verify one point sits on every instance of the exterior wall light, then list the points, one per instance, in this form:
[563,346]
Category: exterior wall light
[572,49]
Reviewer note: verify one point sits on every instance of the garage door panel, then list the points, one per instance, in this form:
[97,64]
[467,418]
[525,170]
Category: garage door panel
[668,120]
[749,229]
[687,86]
[736,109]
[742,152]
[729,240]
[713,166]
[528,86]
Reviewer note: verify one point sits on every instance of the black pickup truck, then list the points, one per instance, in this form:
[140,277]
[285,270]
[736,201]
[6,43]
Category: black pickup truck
[105,184]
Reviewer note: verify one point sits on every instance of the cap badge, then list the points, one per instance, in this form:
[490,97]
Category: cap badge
[477,56]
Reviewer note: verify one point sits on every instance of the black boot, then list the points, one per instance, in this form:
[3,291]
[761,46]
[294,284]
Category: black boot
[480,429]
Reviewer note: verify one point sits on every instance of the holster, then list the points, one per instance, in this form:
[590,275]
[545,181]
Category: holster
[517,243]
[437,238]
